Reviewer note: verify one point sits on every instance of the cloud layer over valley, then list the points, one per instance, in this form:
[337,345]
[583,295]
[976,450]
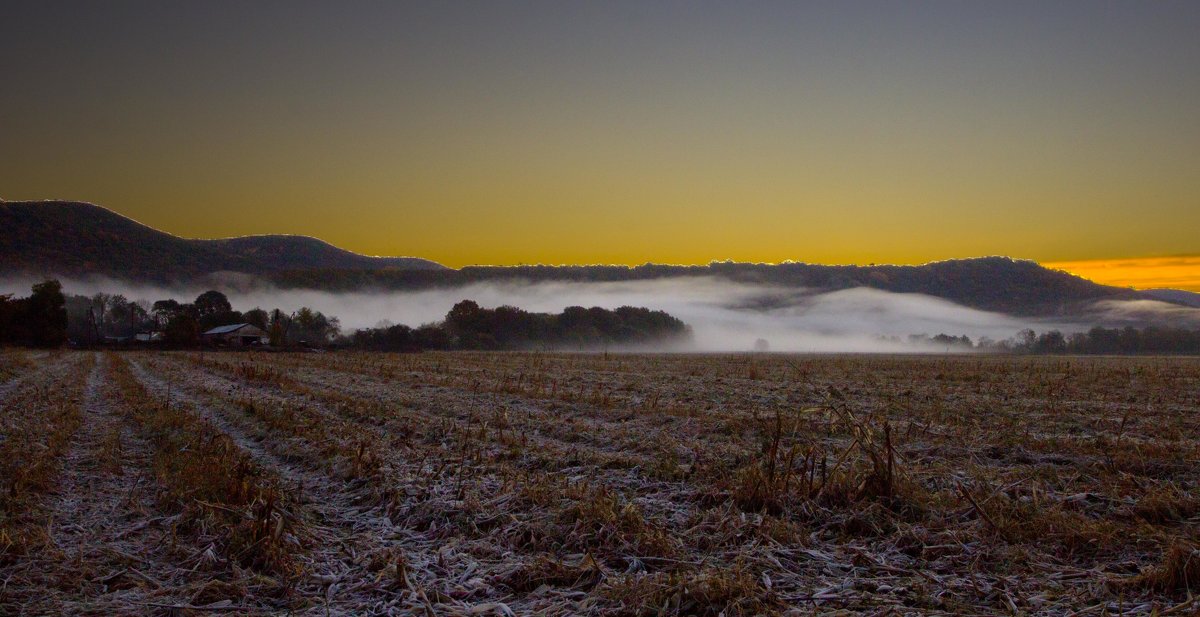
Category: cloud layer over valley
[725,316]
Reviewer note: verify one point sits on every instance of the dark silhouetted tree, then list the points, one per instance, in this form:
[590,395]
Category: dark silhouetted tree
[45,314]
[258,318]
[212,302]
[183,329]
[313,327]
[163,310]
[9,312]
[1051,342]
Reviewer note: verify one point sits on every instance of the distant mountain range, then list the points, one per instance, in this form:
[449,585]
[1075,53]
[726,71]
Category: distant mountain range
[72,239]
[80,239]
[1175,296]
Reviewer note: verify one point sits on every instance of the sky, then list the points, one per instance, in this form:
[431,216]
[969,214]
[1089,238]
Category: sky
[624,132]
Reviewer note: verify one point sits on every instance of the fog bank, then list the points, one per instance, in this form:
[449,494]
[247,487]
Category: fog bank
[724,315]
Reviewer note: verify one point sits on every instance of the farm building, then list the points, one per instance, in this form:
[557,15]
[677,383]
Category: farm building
[236,334]
[148,337]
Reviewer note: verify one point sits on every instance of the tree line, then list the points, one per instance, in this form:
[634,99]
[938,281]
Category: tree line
[105,317]
[1100,340]
[1096,341]
[39,320]
[469,326]
[50,318]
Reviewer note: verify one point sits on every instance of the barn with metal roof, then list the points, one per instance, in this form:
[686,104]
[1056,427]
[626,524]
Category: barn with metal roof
[236,334]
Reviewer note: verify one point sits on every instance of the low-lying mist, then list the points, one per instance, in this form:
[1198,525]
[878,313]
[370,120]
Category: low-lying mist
[724,315]
[1139,313]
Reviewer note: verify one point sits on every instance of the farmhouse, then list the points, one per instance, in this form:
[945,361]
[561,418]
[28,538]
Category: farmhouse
[236,334]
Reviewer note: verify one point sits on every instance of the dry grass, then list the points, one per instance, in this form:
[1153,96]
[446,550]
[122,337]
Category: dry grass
[1179,572]
[214,485]
[708,592]
[567,484]
[14,363]
[42,416]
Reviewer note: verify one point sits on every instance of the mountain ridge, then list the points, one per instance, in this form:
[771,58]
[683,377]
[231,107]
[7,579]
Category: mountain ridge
[77,239]
[67,238]
[1174,296]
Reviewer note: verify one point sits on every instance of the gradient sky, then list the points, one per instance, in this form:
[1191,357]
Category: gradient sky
[620,132]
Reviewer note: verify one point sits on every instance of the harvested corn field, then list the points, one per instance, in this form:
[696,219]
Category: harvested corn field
[578,484]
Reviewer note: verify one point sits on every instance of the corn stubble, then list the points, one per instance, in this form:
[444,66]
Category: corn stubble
[568,484]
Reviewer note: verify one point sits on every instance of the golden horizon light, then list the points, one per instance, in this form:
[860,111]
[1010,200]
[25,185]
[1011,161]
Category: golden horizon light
[626,132]
[1176,272]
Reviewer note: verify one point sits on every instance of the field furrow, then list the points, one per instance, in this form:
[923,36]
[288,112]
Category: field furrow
[17,368]
[38,419]
[360,560]
[373,402]
[577,484]
[105,527]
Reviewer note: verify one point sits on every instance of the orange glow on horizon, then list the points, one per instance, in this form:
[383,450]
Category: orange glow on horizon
[621,132]
[1179,272]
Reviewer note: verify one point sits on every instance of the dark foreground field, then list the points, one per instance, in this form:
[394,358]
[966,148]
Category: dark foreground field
[499,484]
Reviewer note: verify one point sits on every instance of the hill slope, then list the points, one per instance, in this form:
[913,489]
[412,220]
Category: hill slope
[76,239]
[79,239]
[999,284]
[1175,296]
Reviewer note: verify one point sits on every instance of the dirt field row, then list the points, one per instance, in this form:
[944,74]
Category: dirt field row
[573,484]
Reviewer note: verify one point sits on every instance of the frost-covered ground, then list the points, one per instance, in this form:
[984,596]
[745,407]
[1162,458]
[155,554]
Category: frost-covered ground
[569,484]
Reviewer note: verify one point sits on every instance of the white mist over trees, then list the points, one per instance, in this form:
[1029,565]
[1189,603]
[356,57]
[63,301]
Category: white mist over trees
[723,315]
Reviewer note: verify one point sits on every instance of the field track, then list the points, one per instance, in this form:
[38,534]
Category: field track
[146,483]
